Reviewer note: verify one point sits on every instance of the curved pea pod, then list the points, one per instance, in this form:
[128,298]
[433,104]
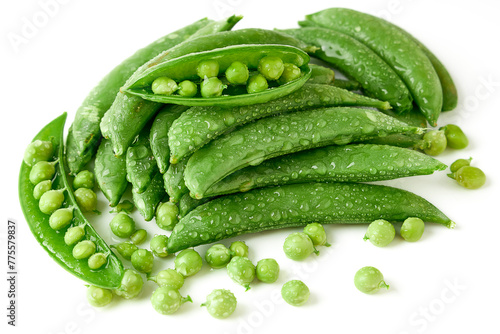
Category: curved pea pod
[321,75]
[197,126]
[348,163]
[174,181]
[158,136]
[109,276]
[347,84]
[275,136]
[185,67]
[110,172]
[297,205]
[187,204]
[376,77]
[140,162]
[147,201]
[395,47]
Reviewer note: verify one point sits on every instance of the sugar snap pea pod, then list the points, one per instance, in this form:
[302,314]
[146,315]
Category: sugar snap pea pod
[199,125]
[110,172]
[187,203]
[297,205]
[412,140]
[147,201]
[348,163]
[347,84]
[128,114]
[158,136]
[109,276]
[321,75]
[357,61]
[76,161]
[398,49]
[174,180]
[274,136]
[140,162]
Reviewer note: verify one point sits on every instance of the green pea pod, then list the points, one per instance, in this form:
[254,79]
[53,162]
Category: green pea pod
[297,205]
[197,126]
[187,204]
[321,75]
[347,84]
[174,181]
[274,136]
[140,162]
[387,40]
[109,276]
[110,172]
[412,140]
[85,134]
[147,201]
[158,136]
[348,163]
[345,53]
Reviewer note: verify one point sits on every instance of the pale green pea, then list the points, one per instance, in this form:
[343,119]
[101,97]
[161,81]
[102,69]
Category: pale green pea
[139,236]
[131,285]
[125,249]
[455,137]
[208,69]
[369,280]
[143,261]
[99,297]
[61,218]
[188,262]
[167,216]
[42,171]
[220,303]
[164,86]
[257,83]
[86,199]
[267,270]
[434,142]
[237,73]
[51,200]
[239,248]
[84,249]
[158,245]
[38,150]
[298,246]
[42,188]
[295,292]
[271,67]
[168,277]
[455,166]
[122,225]
[212,87]
[218,256]
[412,229]
[187,88]
[290,73]
[380,233]
[74,234]
[97,260]
[84,179]
[167,300]
[317,233]
[241,270]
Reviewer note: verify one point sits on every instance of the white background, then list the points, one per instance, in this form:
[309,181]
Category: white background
[446,283]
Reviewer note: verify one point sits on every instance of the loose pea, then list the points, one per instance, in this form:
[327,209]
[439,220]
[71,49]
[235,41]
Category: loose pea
[139,236]
[74,234]
[187,88]
[298,246]
[167,300]
[239,248]
[167,216]
[455,166]
[256,83]
[164,86]
[158,245]
[434,142]
[131,284]
[295,292]
[99,297]
[42,171]
[241,270]
[317,233]
[38,150]
[125,249]
[290,72]
[212,87]
[97,260]
[470,177]
[61,218]
[51,200]
[142,260]
[86,199]
[218,256]
[168,277]
[220,303]
[188,262]
[122,225]
[455,137]
[271,67]
[380,233]
[267,270]
[369,280]
[412,229]
[42,188]
[208,69]
[237,73]
[84,249]
[126,206]
[84,179]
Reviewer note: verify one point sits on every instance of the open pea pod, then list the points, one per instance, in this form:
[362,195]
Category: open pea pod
[108,276]
[185,68]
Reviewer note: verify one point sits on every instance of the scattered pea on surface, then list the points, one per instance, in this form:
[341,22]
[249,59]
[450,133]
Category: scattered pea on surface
[412,229]
[298,246]
[188,262]
[455,137]
[125,249]
[167,300]
[242,271]
[295,292]
[317,233]
[457,164]
[142,260]
[131,285]
[220,303]
[369,280]
[122,225]
[139,236]
[99,297]
[164,86]
[86,199]
[158,245]
[168,277]
[380,233]
[167,216]
[218,256]
[38,150]
[434,142]
[267,270]
[239,248]
[469,177]
[126,206]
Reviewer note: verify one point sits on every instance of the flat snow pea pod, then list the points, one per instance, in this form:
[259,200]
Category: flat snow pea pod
[348,163]
[140,162]
[86,134]
[174,180]
[297,205]
[147,201]
[197,126]
[284,134]
[128,114]
[109,276]
[110,172]
[344,52]
[158,136]
[398,49]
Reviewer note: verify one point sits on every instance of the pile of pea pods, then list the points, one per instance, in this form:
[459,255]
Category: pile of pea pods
[222,132]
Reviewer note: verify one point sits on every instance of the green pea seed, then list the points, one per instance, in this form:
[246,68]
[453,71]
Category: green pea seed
[455,137]
[139,236]
[434,142]
[290,73]
[267,270]
[158,245]
[241,270]
[187,88]
[168,277]
[239,248]
[61,218]
[455,166]
[298,246]
[212,87]
[131,285]
[167,300]
[42,171]
[412,229]
[84,179]
[164,86]
[295,292]
[167,216]
[86,199]
[208,69]
[271,67]
[218,256]
[220,303]
[97,260]
[50,201]
[470,177]
[74,234]
[99,297]
[369,280]
[188,262]
[142,260]
[122,225]
[380,233]
[84,249]
[237,73]
[256,83]
[126,206]
[125,249]
[317,233]
[38,150]
[42,188]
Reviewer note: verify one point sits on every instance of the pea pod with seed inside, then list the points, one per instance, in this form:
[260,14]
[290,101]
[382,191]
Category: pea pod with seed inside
[110,172]
[147,201]
[140,162]
[108,276]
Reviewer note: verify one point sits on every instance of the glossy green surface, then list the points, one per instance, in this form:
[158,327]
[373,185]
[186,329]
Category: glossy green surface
[140,162]
[369,280]
[380,233]
[110,172]
[241,270]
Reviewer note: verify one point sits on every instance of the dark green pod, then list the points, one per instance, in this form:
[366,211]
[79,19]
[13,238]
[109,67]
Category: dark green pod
[187,204]
[174,181]
[297,205]
[147,201]
[110,172]
[347,84]
[140,162]
[321,75]
[109,276]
